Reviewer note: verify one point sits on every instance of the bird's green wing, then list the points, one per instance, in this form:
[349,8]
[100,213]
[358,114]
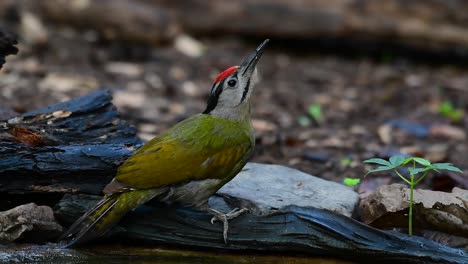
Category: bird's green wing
[198,148]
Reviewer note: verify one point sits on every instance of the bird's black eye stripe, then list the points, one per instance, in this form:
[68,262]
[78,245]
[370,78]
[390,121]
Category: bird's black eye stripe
[246,90]
[214,96]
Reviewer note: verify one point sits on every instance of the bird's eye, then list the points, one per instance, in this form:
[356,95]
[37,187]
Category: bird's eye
[232,83]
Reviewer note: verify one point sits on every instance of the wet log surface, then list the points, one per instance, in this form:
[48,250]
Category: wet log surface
[289,230]
[73,146]
[115,254]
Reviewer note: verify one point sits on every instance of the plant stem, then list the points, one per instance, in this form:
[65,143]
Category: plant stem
[401,176]
[420,178]
[410,214]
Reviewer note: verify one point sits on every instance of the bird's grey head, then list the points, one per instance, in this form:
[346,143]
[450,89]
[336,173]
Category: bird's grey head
[230,95]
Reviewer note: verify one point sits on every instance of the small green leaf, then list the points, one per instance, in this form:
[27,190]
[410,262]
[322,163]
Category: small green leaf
[351,181]
[315,110]
[380,168]
[447,109]
[453,168]
[422,161]
[407,160]
[441,165]
[414,171]
[379,161]
[397,160]
[446,166]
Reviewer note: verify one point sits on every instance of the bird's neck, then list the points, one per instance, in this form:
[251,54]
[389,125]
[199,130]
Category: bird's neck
[239,113]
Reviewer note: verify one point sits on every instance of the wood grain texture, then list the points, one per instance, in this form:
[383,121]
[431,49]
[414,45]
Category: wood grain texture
[291,230]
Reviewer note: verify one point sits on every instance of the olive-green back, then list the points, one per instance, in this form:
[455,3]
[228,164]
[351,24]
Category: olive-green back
[197,148]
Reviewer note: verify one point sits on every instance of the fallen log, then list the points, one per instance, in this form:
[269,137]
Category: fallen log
[73,146]
[290,229]
[429,25]
[132,21]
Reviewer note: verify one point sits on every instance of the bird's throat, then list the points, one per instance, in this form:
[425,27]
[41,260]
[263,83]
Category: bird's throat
[238,113]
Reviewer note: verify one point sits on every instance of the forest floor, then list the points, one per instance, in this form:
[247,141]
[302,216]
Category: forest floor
[372,106]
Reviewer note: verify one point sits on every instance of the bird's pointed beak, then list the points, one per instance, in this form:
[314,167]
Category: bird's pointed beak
[248,66]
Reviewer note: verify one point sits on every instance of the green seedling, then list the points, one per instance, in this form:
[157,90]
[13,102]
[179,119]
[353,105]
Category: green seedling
[315,111]
[417,168]
[447,109]
[351,181]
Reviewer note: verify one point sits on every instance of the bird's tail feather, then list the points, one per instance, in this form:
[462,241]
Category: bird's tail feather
[105,214]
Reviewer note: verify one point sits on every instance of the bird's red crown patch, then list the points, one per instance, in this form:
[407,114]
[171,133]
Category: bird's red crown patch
[225,73]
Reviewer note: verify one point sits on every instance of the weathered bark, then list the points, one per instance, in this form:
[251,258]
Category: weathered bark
[73,146]
[289,230]
[7,45]
[429,24]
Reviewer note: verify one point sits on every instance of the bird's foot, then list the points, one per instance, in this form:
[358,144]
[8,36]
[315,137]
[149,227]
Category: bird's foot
[225,218]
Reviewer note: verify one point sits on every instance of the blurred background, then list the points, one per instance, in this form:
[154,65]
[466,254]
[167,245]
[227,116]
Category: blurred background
[342,80]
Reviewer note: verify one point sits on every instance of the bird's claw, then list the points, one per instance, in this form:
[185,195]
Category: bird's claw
[225,218]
